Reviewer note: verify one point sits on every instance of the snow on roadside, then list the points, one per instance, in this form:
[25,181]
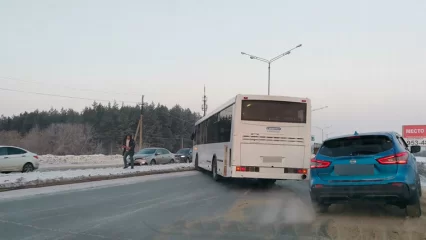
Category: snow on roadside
[421,159]
[80,159]
[37,178]
[421,167]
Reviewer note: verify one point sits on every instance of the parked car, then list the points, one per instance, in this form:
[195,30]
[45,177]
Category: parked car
[15,159]
[152,156]
[377,167]
[184,155]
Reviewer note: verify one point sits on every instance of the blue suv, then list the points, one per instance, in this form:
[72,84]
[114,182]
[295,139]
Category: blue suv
[370,166]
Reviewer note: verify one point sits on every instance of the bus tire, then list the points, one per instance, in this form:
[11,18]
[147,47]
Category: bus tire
[196,163]
[215,176]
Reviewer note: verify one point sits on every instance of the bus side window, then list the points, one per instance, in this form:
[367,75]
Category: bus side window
[198,134]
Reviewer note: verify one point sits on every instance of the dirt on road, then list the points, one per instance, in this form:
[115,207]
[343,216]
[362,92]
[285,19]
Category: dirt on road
[372,222]
[285,212]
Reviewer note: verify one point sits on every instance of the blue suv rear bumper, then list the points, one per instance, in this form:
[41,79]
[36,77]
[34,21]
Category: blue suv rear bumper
[389,193]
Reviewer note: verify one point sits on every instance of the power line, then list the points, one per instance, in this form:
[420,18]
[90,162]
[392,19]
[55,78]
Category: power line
[73,88]
[63,96]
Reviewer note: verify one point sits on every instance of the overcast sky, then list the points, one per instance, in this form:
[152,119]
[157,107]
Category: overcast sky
[366,60]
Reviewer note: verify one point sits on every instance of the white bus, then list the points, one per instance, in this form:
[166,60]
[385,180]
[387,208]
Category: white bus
[255,136]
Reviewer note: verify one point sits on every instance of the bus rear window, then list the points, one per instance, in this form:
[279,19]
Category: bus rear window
[273,111]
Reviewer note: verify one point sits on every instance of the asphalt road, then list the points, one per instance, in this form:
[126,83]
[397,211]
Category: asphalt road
[192,206]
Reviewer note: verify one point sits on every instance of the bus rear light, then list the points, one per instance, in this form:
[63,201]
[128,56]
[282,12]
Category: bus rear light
[247,169]
[303,100]
[296,170]
[245,98]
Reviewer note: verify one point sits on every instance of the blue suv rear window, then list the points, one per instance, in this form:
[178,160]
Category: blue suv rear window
[356,145]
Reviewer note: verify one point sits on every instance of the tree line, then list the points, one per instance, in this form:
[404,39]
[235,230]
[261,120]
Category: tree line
[97,128]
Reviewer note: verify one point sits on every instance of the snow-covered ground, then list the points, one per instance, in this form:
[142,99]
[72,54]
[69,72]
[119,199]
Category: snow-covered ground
[39,178]
[421,159]
[421,166]
[67,162]
[80,159]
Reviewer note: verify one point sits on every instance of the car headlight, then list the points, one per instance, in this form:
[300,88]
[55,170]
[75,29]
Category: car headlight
[183,156]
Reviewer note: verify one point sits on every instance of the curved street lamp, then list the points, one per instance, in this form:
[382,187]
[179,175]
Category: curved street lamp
[316,109]
[269,62]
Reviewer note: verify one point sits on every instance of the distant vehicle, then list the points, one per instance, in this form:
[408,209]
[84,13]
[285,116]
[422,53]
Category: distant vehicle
[256,136]
[152,156]
[15,159]
[370,166]
[184,155]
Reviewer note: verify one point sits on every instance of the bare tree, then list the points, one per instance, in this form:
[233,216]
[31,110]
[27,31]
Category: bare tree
[70,139]
[10,138]
[57,139]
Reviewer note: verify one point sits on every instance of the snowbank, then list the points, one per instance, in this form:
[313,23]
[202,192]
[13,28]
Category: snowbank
[81,159]
[421,159]
[16,180]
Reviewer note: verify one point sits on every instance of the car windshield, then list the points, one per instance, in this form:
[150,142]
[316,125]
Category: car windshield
[183,151]
[357,145]
[147,151]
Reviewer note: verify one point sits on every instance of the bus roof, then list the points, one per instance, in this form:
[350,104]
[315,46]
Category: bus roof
[232,100]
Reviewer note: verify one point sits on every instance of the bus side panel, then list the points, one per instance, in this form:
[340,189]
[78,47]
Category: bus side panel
[308,153]
[222,156]
[229,152]
[236,148]
[205,156]
[206,153]
[223,152]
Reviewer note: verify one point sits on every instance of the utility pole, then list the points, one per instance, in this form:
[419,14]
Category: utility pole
[141,121]
[204,106]
[181,142]
[140,126]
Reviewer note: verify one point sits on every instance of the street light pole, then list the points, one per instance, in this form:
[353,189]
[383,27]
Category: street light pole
[269,62]
[322,131]
[269,78]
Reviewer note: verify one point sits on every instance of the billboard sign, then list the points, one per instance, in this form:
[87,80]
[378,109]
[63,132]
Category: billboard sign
[414,134]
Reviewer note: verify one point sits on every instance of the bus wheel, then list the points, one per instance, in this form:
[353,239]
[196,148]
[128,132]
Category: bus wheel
[196,163]
[214,170]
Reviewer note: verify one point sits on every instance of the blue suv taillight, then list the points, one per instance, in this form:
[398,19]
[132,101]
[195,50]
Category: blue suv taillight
[315,163]
[399,158]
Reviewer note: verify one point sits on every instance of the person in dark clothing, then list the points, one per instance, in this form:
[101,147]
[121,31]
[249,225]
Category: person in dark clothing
[128,150]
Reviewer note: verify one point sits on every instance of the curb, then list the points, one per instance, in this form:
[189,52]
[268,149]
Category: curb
[56,182]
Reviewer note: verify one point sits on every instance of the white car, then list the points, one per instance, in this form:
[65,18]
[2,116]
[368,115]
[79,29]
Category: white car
[15,159]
